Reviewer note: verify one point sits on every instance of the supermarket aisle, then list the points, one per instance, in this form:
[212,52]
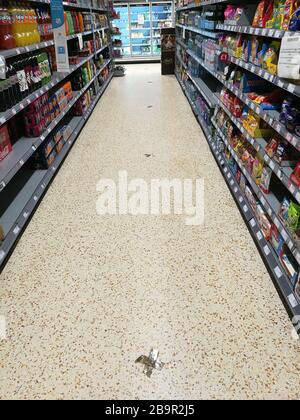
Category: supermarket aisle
[85,295]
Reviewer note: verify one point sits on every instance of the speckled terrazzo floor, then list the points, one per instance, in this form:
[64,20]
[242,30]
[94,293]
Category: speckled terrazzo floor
[85,295]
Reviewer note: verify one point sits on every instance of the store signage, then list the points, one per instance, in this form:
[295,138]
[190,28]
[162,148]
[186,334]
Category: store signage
[60,37]
[289,59]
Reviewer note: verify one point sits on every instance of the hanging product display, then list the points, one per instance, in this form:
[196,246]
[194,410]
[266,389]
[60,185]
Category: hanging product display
[239,68]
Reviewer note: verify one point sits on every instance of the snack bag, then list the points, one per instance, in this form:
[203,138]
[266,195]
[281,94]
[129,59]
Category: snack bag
[246,50]
[251,198]
[229,13]
[266,180]
[268,14]
[257,170]
[289,10]
[259,15]
[281,151]
[283,212]
[238,53]
[276,240]
[295,176]
[254,50]
[261,54]
[278,15]
[270,22]
[237,107]
[251,82]
[266,226]
[295,21]
[263,13]
[293,220]
[249,164]
[270,60]
[253,124]
[271,147]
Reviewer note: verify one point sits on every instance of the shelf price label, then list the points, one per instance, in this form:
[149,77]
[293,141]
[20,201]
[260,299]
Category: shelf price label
[2,185]
[16,230]
[293,301]
[2,68]
[278,272]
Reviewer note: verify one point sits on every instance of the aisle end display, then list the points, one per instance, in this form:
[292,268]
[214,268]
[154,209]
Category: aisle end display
[44,106]
[239,67]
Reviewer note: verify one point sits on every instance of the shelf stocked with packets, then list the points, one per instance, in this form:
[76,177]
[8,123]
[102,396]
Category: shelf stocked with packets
[213,35]
[271,117]
[55,80]
[41,45]
[265,32]
[25,147]
[205,91]
[27,200]
[270,256]
[270,233]
[182,63]
[206,129]
[283,84]
[283,283]
[269,202]
[94,103]
[74,36]
[231,181]
[181,43]
[200,4]
[193,106]
[84,7]
[282,171]
[71,5]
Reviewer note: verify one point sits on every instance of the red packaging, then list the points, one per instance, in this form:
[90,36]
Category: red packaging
[295,176]
[5,145]
[237,107]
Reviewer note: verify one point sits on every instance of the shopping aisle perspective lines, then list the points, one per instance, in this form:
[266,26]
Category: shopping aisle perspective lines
[85,295]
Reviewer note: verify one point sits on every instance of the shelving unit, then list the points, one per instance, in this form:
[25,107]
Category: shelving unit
[271,33]
[140,25]
[209,86]
[79,5]
[208,34]
[27,187]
